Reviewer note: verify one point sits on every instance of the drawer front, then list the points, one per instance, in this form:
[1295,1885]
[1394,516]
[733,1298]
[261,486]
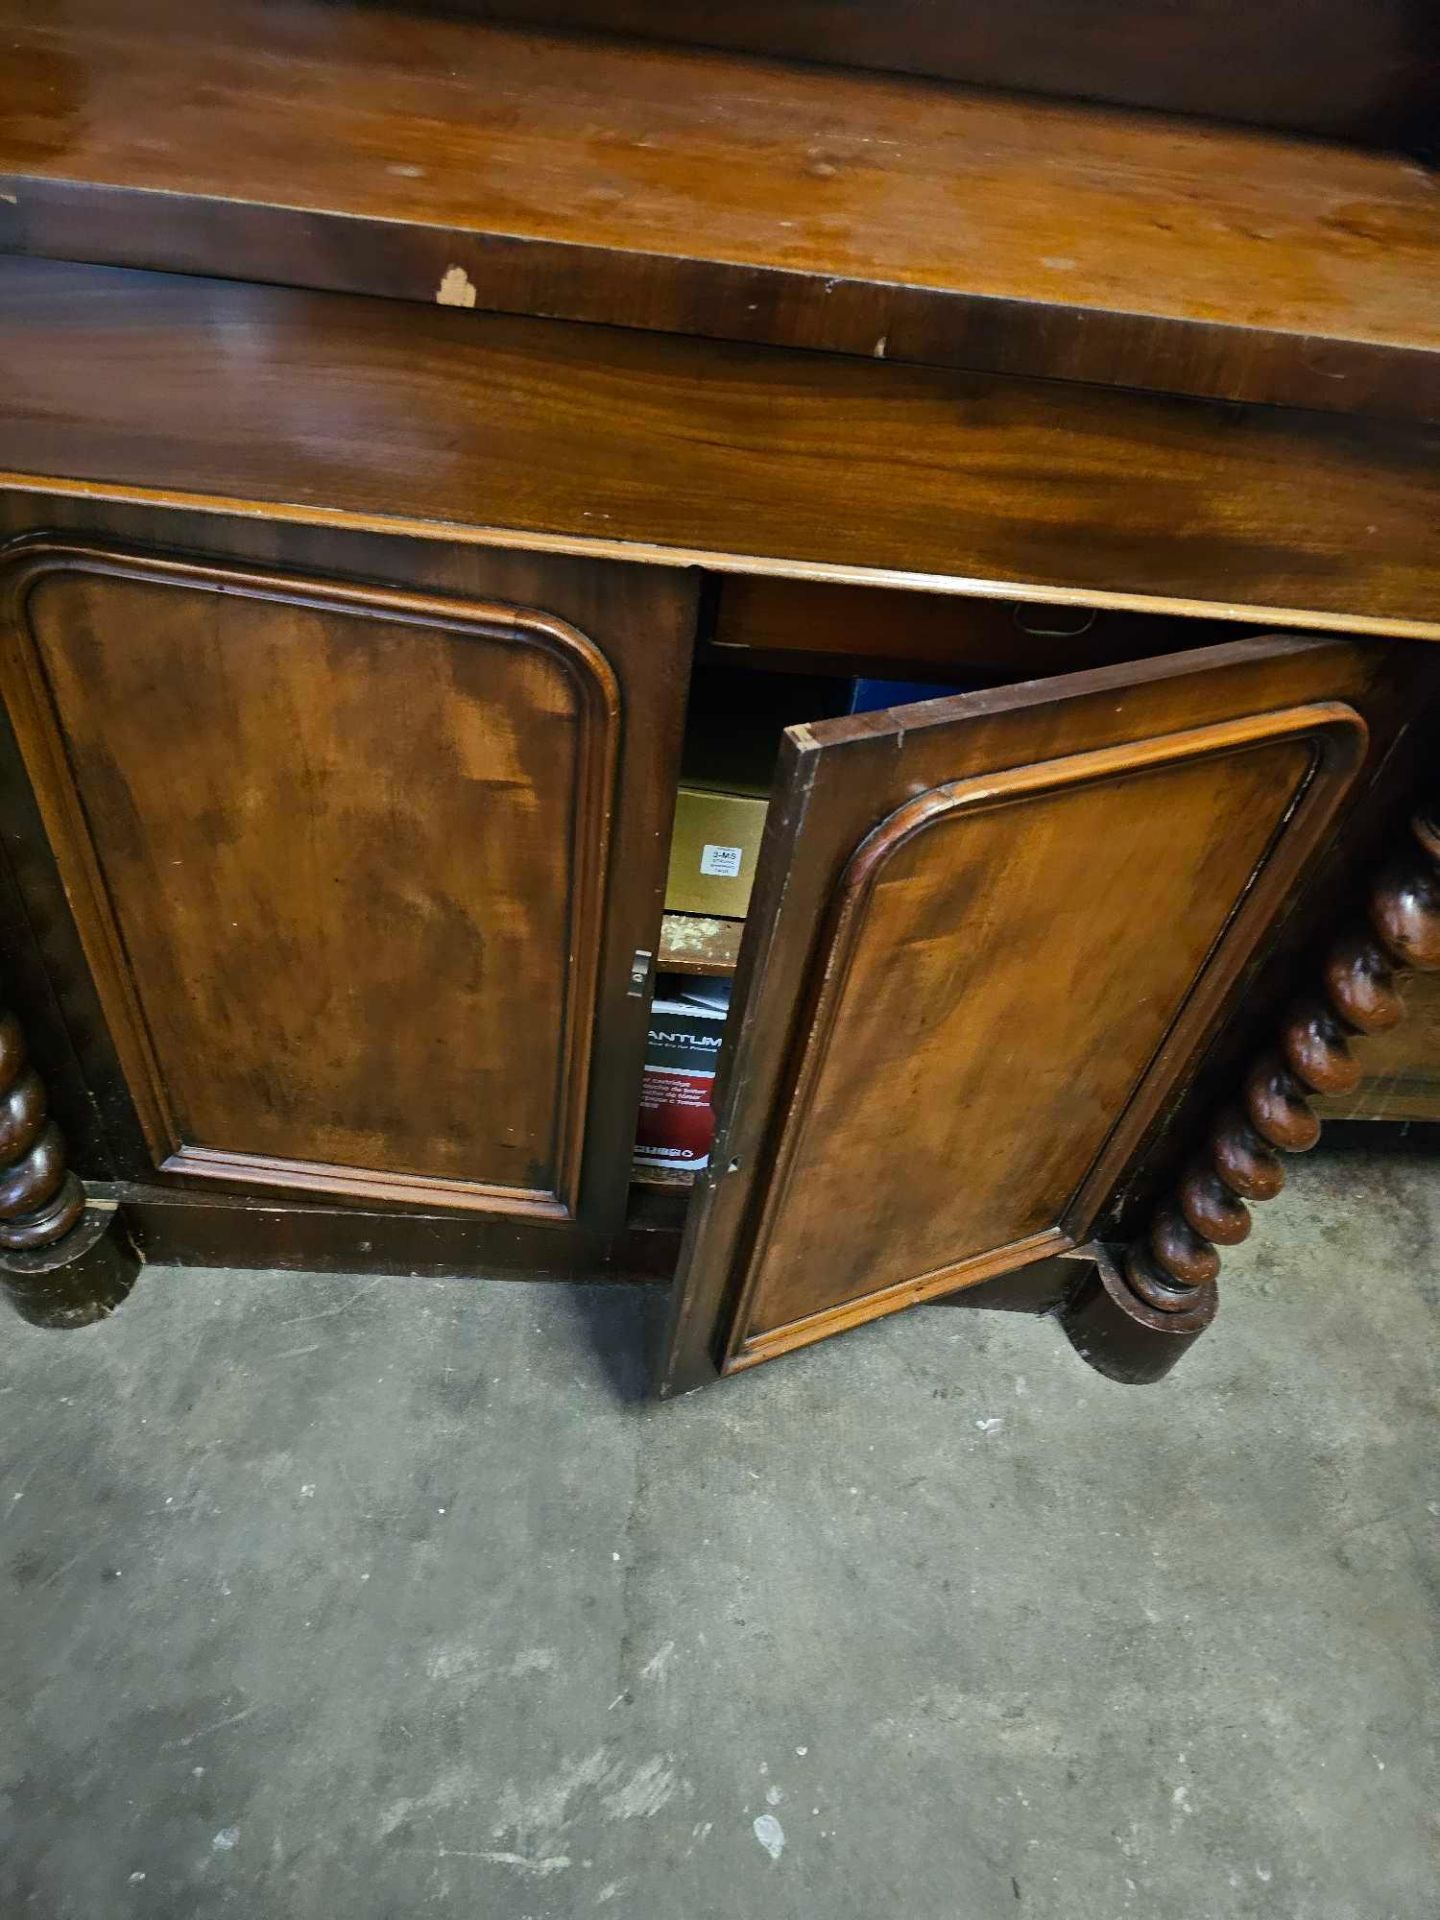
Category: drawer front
[977,642]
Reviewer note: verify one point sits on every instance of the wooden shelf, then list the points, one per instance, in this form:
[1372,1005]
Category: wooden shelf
[347,149]
[698,943]
[663,1179]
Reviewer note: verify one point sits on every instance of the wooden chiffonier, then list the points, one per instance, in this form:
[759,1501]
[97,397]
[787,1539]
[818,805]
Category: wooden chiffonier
[413,424]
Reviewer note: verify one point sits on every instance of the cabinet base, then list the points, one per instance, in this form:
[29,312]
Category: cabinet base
[1119,1334]
[175,1227]
[81,1279]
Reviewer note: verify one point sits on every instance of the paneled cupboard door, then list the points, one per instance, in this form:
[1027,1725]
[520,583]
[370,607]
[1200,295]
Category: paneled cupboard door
[989,935]
[344,863]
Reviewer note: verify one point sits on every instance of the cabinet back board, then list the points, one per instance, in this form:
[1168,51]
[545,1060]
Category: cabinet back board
[1354,69]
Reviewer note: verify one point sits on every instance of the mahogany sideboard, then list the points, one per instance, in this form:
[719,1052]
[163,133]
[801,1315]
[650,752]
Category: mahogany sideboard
[408,413]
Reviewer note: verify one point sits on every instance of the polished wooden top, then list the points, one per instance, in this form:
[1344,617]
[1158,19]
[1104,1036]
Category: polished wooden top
[382,151]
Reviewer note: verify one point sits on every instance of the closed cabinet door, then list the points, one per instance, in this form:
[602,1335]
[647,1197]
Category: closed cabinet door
[357,871]
[989,937]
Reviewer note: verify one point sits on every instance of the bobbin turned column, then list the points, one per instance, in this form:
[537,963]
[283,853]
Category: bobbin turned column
[1135,1317]
[63,1263]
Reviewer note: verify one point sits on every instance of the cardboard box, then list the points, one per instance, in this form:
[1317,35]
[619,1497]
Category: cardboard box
[677,1124]
[714,849]
[723,799]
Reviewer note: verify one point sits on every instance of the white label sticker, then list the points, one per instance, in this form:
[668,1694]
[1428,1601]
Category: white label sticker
[723,863]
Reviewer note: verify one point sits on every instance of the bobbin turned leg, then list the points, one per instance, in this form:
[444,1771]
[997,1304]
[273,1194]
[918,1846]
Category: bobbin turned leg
[63,1263]
[1135,1317]
[1122,1335]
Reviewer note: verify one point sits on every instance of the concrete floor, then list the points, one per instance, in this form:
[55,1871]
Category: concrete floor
[358,1598]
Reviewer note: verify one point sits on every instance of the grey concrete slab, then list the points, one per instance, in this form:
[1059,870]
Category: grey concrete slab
[337,1596]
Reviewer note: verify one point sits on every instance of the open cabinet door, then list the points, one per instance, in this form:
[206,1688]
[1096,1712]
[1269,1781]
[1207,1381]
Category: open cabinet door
[989,935]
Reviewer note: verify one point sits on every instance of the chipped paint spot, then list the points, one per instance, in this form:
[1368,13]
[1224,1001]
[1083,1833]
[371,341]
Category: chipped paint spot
[455,289]
[878,350]
[226,1839]
[770,1834]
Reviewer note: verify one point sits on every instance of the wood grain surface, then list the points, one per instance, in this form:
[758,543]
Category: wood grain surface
[610,442]
[990,935]
[367,150]
[343,863]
